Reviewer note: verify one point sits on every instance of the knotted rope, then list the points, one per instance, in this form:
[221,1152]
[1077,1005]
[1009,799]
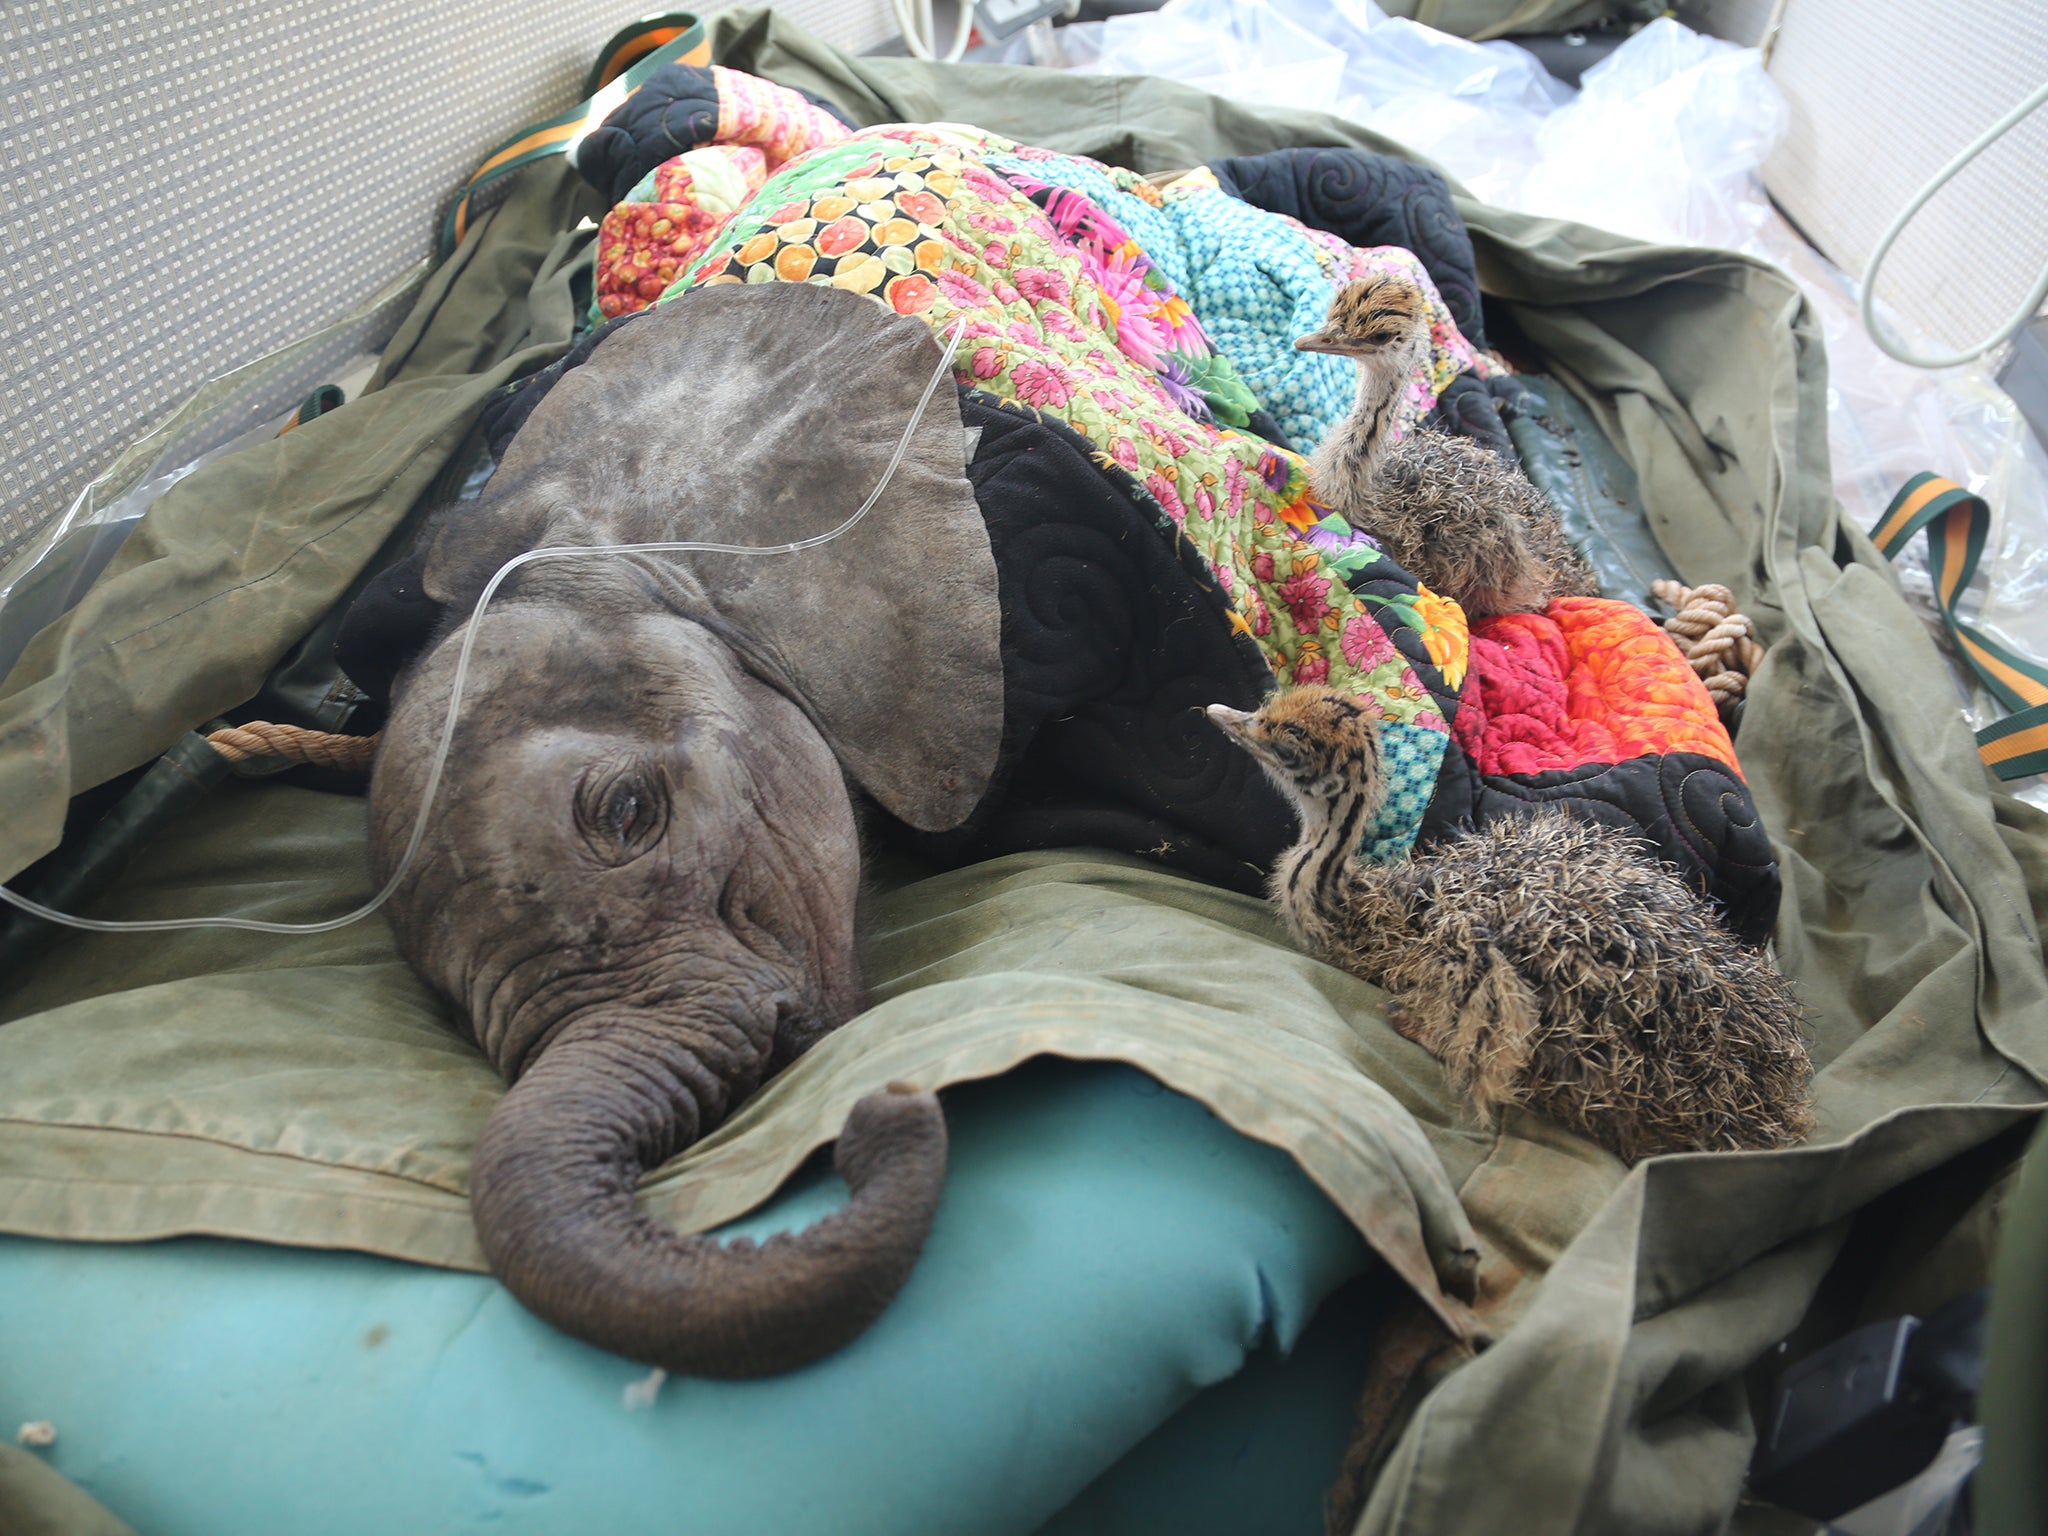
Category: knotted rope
[260,747]
[1720,643]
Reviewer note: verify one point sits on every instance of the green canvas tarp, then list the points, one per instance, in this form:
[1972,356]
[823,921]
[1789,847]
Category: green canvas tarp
[320,1097]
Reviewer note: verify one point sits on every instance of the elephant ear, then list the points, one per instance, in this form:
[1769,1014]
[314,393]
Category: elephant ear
[762,415]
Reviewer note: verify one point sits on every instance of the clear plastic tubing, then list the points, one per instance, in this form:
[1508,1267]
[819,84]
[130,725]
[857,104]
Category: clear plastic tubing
[566,552]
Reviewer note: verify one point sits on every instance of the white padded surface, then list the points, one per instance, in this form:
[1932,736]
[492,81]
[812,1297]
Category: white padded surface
[187,186]
[1883,93]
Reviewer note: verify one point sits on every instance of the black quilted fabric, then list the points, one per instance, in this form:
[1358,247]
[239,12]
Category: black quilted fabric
[1369,199]
[1693,810]
[1476,408]
[388,624]
[674,109]
[1114,639]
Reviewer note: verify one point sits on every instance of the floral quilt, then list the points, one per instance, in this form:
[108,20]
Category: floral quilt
[1067,314]
[1146,325]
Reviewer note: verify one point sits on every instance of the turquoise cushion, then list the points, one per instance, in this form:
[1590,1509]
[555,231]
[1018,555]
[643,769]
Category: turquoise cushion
[1105,1250]
[1254,1455]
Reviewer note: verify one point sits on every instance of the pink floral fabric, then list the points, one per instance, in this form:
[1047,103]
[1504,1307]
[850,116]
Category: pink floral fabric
[773,118]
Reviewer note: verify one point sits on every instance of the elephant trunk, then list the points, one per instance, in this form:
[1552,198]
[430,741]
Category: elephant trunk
[552,1191]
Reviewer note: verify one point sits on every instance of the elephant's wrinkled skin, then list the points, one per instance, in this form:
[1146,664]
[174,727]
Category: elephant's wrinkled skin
[638,880]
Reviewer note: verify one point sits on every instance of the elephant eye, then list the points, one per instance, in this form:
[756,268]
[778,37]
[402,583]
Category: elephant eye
[622,811]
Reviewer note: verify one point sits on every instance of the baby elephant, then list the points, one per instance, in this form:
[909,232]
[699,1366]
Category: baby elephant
[638,880]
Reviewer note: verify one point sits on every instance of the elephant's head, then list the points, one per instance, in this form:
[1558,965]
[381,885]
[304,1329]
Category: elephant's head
[638,877]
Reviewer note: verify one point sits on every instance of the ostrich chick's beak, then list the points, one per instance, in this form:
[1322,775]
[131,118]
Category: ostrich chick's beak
[1232,720]
[1318,341]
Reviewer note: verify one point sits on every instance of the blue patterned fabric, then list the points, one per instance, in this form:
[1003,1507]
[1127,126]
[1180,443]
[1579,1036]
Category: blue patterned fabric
[1366,199]
[1412,758]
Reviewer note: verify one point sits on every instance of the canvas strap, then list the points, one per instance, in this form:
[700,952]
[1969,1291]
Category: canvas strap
[1957,523]
[676,37]
[328,397]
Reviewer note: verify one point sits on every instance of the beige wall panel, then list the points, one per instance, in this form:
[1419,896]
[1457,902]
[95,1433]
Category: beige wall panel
[185,186]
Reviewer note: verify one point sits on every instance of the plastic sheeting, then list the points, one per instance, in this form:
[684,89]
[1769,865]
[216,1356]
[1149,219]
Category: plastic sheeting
[1663,140]
[50,570]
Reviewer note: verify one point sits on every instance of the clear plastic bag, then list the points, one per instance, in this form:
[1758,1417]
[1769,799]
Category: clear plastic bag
[1887,422]
[1663,142]
[1475,108]
[1447,97]
[1250,52]
[54,567]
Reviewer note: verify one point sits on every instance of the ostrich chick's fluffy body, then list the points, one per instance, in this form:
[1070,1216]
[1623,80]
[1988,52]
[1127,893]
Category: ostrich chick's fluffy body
[1450,512]
[1548,962]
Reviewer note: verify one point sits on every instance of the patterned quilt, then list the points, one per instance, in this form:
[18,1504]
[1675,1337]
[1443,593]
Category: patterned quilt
[1148,323]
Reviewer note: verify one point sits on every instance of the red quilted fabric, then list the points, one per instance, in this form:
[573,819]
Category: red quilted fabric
[1587,681]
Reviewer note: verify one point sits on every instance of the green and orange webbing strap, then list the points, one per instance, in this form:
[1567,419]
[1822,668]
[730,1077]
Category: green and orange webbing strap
[676,37]
[1957,523]
[328,397]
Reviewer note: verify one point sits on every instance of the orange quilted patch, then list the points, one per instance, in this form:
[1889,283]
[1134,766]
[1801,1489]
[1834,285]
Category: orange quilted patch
[1587,681]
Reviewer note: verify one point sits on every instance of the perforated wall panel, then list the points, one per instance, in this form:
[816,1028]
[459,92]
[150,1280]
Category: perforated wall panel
[187,186]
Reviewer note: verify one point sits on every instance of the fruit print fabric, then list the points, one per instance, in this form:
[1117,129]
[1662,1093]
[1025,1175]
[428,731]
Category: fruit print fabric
[844,216]
[671,216]
[916,218]
[1258,280]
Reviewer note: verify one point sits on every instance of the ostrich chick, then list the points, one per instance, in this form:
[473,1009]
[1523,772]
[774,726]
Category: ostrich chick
[1455,515]
[1545,960]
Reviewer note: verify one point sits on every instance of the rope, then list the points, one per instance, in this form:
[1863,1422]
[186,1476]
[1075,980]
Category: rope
[1720,643]
[267,748]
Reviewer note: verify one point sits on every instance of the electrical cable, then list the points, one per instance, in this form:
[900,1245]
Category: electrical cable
[921,32]
[907,24]
[1867,303]
[961,33]
[433,784]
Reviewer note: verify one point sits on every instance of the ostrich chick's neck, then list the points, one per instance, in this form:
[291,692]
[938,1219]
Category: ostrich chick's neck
[1310,879]
[1343,467]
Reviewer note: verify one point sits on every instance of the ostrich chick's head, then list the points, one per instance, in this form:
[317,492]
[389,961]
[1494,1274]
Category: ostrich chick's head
[1319,746]
[1369,316]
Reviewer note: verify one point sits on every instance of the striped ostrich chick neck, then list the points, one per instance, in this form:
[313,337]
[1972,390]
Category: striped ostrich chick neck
[1321,748]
